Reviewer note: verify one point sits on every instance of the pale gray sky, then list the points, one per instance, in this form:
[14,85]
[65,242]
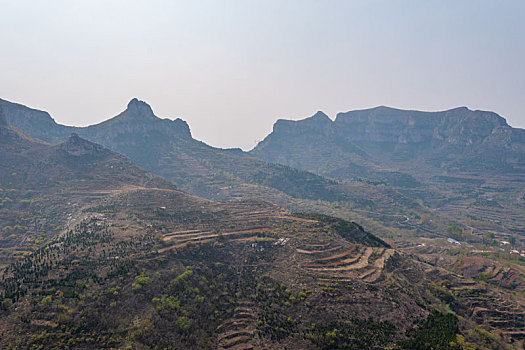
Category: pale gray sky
[231,68]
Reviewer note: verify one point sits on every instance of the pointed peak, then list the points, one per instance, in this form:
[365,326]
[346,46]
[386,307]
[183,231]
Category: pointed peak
[138,107]
[134,102]
[74,139]
[318,121]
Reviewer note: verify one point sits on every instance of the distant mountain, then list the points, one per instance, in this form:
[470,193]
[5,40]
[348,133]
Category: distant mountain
[361,142]
[127,133]
[28,164]
[471,158]
[316,144]
[166,148]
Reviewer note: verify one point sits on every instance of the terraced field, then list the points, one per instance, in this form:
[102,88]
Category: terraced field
[492,309]
[481,289]
[338,263]
[239,331]
[241,274]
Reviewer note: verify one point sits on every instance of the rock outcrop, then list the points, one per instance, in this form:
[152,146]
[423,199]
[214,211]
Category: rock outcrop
[458,126]
[456,139]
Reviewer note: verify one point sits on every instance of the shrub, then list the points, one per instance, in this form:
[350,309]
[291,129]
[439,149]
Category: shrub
[140,281]
[47,300]
[182,323]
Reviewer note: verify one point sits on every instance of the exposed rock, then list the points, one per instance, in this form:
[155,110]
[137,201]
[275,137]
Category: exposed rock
[459,126]
[140,108]
[459,138]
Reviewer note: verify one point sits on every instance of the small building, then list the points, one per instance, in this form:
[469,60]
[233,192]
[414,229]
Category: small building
[452,240]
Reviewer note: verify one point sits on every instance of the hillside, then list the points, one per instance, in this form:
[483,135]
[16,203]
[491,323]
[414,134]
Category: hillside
[396,197]
[151,267]
[473,159]
[115,257]
[42,185]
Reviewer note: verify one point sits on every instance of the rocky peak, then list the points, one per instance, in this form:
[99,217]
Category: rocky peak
[136,122]
[77,146]
[139,108]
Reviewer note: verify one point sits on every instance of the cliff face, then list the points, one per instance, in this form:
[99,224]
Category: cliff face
[4,130]
[10,138]
[290,140]
[459,139]
[459,126]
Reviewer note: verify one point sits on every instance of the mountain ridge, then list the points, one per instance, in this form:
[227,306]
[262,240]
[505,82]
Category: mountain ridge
[138,133]
[385,133]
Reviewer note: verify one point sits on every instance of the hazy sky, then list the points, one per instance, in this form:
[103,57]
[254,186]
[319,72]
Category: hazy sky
[231,68]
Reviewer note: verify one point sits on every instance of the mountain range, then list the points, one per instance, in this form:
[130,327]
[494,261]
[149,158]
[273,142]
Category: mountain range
[166,148]
[439,161]
[103,248]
